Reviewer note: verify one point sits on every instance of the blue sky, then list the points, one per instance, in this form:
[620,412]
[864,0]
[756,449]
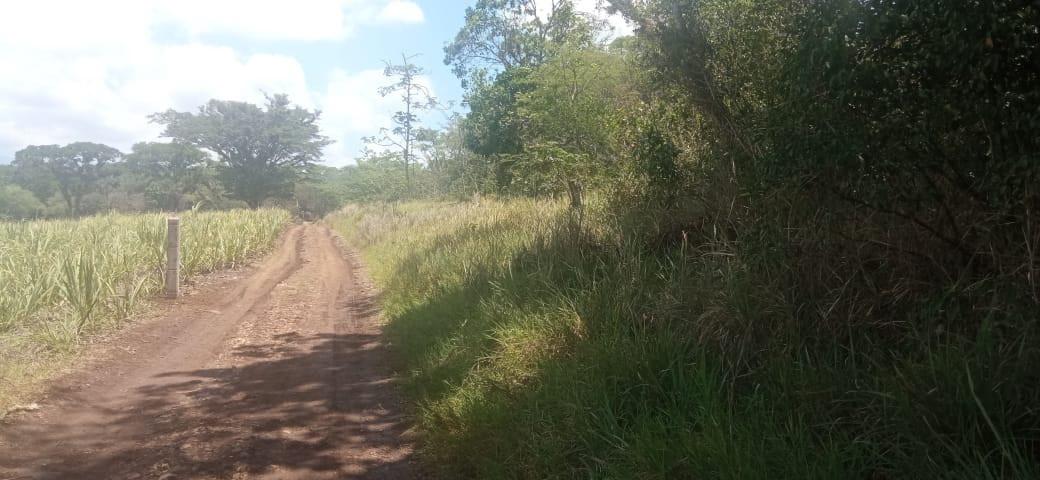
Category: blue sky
[366,50]
[72,70]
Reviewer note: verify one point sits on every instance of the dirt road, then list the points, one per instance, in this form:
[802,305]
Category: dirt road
[280,373]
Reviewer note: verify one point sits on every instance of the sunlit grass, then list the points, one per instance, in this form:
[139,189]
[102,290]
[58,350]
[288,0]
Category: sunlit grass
[541,343]
[61,280]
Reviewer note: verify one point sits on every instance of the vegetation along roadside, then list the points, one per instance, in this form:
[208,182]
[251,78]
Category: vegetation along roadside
[62,281]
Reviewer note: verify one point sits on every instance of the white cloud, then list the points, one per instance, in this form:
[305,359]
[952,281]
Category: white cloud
[401,11]
[72,26]
[74,70]
[617,23]
[306,20]
[107,97]
[352,108]
[53,23]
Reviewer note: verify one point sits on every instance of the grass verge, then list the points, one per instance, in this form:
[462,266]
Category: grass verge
[537,343]
[64,281]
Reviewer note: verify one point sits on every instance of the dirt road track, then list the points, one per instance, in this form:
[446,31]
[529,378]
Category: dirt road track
[280,374]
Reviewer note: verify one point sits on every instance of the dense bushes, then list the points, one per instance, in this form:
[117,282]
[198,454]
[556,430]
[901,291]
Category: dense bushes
[533,352]
[883,148]
[870,163]
[815,255]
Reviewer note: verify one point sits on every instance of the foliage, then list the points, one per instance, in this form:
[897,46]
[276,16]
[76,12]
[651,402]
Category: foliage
[17,202]
[262,151]
[407,134]
[73,170]
[493,125]
[938,106]
[534,352]
[570,116]
[814,256]
[63,279]
[378,178]
[574,100]
[171,172]
[509,49]
[454,168]
[321,192]
[508,34]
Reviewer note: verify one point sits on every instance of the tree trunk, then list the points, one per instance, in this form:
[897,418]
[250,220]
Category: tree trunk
[408,136]
[69,203]
[255,203]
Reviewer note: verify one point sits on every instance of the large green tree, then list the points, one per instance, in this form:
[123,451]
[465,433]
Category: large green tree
[73,170]
[16,202]
[501,43]
[170,172]
[262,152]
[493,124]
[576,101]
[505,34]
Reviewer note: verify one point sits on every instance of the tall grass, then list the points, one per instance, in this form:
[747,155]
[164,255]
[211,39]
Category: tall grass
[538,343]
[62,279]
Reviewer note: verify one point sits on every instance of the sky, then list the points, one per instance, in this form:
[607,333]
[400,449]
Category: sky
[76,70]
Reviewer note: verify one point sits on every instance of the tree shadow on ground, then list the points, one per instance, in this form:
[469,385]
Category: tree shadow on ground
[294,407]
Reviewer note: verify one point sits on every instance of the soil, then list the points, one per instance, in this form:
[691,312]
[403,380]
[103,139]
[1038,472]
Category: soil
[279,372]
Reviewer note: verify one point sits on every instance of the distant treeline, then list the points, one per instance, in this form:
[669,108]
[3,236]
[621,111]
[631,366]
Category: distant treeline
[226,154]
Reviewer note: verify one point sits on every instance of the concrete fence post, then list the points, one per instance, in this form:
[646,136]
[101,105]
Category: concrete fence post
[173,257]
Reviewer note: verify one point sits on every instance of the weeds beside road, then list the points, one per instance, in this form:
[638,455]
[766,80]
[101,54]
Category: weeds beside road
[62,280]
[537,344]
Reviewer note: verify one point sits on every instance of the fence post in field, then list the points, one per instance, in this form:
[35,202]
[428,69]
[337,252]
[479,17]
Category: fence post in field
[173,257]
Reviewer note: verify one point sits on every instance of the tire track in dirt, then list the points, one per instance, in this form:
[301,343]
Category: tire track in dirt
[279,375]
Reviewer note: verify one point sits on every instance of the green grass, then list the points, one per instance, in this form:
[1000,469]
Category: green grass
[63,280]
[537,349]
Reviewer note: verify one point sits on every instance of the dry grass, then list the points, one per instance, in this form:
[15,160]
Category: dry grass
[538,343]
[62,281]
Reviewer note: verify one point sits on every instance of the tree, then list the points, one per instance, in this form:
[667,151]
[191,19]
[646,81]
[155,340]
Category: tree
[566,113]
[506,34]
[576,100]
[16,202]
[317,195]
[492,126]
[686,46]
[407,131]
[375,177]
[454,168]
[262,151]
[73,170]
[170,171]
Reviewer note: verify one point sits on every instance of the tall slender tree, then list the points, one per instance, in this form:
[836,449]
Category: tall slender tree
[416,97]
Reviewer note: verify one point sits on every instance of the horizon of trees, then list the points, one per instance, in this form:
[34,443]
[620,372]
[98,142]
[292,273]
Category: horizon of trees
[749,95]
[226,154]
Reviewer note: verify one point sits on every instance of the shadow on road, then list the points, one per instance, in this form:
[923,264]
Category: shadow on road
[296,407]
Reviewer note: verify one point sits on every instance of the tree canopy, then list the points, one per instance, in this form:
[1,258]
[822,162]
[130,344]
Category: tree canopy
[506,34]
[73,170]
[262,152]
[170,172]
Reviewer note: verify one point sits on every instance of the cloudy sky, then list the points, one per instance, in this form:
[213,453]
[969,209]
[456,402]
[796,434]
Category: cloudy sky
[77,70]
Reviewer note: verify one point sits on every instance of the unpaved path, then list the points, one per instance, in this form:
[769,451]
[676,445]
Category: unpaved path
[280,374]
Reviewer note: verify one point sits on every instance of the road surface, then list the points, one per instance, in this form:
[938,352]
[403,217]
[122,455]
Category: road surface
[279,373]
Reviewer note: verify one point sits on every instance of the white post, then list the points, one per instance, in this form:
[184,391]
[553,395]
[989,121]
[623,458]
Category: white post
[173,257]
